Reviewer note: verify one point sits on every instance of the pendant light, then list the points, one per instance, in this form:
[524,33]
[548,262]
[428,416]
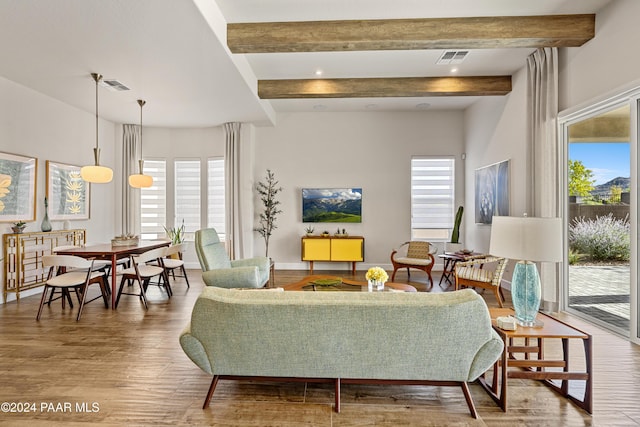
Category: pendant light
[140,180]
[96,173]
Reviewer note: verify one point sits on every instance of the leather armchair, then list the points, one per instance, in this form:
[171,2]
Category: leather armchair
[218,270]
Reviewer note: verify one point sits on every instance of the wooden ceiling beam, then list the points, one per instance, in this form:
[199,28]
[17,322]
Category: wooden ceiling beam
[410,34]
[385,87]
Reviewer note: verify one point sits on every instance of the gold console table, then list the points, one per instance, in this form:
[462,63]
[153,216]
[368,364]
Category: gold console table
[23,254]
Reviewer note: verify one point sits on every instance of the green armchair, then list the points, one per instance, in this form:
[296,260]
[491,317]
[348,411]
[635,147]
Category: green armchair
[218,270]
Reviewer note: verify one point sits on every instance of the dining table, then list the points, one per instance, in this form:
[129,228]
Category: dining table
[108,251]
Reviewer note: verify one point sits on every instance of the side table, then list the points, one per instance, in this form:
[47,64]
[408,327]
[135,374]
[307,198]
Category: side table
[534,363]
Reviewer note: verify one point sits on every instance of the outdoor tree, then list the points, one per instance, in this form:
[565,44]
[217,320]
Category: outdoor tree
[615,194]
[268,189]
[580,179]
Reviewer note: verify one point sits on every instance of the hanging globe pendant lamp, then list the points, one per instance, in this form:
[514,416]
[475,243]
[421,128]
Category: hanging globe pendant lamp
[95,173]
[140,180]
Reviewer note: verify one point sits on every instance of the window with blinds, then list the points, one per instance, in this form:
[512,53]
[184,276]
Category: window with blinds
[216,196]
[187,196]
[153,201]
[432,197]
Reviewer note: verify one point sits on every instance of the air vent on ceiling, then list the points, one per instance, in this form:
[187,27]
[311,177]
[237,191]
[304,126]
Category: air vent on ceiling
[452,57]
[113,85]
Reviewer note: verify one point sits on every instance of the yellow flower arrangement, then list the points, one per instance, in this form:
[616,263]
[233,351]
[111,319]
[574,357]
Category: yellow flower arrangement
[378,274]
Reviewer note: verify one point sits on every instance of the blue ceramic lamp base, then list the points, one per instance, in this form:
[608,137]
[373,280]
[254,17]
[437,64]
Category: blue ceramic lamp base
[525,292]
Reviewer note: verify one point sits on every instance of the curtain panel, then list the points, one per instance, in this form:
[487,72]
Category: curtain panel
[544,174]
[234,206]
[130,196]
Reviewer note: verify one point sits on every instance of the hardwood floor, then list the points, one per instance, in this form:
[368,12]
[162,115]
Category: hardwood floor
[126,367]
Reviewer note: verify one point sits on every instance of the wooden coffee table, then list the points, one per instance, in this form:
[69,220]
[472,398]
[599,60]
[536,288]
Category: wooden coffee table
[306,284]
[533,365]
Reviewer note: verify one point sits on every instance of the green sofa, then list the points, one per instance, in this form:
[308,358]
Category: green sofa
[342,337]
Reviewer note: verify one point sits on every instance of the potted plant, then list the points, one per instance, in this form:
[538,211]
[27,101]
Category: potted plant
[175,234]
[454,245]
[268,189]
[309,231]
[18,227]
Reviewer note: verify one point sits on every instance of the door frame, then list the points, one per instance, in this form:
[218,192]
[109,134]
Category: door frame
[565,119]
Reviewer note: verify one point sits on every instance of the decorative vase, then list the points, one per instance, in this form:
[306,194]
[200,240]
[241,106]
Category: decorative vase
[17,230]
[525,292]
[375,285]
[46,225]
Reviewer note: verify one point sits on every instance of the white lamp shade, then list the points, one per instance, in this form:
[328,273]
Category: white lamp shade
[96,174]
[526,238]
[140,181]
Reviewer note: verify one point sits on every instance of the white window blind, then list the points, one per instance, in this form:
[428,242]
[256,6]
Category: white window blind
[432,197]
[215,196]
[187,195]
[153,201]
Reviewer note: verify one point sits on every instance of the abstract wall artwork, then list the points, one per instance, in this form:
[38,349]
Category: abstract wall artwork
[492,192]
[17,187]
[67,192]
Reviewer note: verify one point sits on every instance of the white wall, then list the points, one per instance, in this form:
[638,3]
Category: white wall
[495,130]
[606,62]
[32,124]
[368,150]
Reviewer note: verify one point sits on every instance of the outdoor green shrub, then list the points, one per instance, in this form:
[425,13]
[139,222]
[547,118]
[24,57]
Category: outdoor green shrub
[575,257]
[602,239]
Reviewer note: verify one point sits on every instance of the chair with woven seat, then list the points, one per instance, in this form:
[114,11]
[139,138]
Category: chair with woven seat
[71,272]
[474,273]
[142,272]
[418,255]
[218,270]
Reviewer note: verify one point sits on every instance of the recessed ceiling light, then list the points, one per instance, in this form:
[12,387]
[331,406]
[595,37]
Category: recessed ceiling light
[423,106]
[454,70]
[318,72]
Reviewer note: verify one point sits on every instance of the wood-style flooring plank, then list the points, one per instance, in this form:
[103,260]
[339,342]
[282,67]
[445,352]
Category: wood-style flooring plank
[129,362]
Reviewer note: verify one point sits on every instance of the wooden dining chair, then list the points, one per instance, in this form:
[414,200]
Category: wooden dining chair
[71,272]
[172,261]
[144,267]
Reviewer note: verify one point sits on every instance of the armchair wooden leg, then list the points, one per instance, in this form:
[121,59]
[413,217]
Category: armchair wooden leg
[498,297]
[212,388]
[467,396]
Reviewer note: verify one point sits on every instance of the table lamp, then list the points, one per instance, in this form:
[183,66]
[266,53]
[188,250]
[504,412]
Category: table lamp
[528,240]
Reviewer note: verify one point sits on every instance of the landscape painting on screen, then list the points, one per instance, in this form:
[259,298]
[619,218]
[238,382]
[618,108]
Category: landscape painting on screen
[332,205]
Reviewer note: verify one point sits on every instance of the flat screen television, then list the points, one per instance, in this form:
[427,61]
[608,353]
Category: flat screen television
[332,205]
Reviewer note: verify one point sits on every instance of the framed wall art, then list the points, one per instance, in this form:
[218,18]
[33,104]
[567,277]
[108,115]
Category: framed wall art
[492,192]
[17,187]
[67,192]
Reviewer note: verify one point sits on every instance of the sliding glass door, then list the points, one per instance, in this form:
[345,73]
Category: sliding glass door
[600,148]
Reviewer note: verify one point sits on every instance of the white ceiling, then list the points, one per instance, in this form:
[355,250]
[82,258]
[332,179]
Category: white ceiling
[173,54]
